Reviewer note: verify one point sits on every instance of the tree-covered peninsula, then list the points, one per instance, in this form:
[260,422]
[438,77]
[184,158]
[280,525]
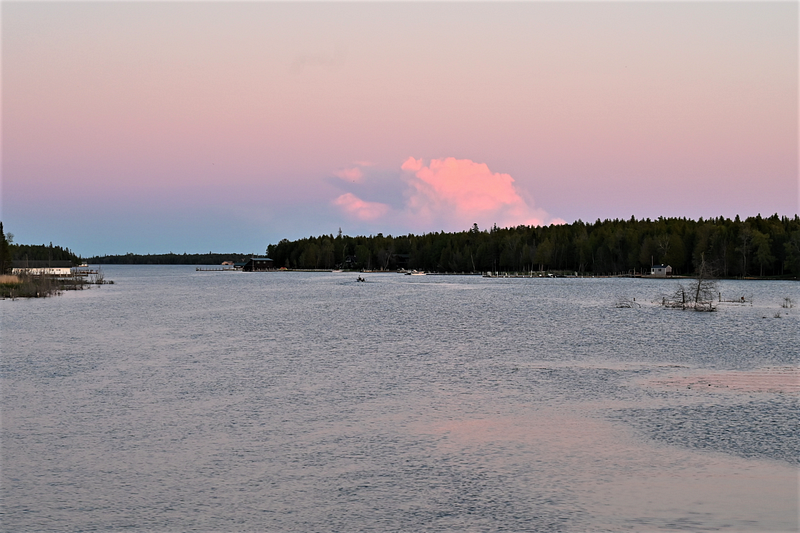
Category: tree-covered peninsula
[10,252]
[734,248]
[33,285]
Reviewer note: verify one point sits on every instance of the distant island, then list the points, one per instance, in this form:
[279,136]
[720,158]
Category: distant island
[168,259]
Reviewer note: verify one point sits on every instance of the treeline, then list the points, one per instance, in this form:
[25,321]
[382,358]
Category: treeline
[733,248]
[168,259]
[42,252]
[10,252]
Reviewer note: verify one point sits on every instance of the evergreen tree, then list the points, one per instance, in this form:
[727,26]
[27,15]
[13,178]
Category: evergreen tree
[5,252]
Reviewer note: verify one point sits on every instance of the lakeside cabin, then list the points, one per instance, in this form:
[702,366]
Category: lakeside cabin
[41,268]
[258,264]
[660,271]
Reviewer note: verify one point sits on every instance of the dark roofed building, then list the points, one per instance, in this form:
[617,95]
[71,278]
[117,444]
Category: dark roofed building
[257,264]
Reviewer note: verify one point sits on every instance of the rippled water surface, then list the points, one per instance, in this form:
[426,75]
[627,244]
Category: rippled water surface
[178,400]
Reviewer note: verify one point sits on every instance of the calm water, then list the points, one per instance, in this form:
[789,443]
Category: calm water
[177,400]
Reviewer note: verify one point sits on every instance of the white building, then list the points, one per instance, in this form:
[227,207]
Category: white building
[660,271]
[42,268]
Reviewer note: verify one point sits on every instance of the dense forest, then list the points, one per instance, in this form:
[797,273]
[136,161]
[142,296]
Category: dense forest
[168,259]
[43,252]
[733,248]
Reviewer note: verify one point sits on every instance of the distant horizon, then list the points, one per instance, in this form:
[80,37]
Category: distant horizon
[132,126]
[344,234]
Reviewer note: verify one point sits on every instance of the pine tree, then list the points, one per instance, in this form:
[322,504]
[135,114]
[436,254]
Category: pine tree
[5,252]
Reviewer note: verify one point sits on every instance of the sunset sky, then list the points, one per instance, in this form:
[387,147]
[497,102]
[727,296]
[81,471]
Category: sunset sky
[151,127]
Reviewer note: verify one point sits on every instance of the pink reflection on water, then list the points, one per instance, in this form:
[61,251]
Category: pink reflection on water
[621,481]
[782,380]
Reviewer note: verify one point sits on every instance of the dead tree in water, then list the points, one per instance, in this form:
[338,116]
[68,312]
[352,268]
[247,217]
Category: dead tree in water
[698,295]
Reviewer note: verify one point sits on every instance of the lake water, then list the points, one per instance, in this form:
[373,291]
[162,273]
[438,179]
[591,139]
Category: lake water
[177,400]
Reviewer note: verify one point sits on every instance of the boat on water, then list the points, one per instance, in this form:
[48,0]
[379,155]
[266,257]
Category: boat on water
[415,273]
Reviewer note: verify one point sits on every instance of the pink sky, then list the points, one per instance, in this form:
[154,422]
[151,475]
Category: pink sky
[227,126]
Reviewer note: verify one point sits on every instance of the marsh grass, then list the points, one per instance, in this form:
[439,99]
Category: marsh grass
[26,286]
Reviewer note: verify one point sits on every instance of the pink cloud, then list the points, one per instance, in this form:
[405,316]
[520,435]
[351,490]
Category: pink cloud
[359,209]
[412,164]
[461,191]
[449,194]
[469,186]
